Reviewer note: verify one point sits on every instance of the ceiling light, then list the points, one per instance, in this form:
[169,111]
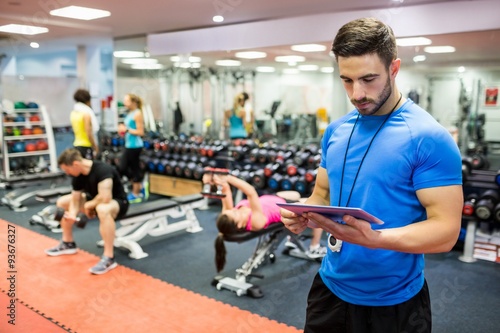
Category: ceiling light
[439,49]
[128,54]
[185,59]
[413,41]
[419,58]
[23,29]
[250,55]
[147,66]
[135,61]
[80,13]
[309,48]
[461,69]
[34,45]
[182,64]
[326,69]
[218,18]
[290,58]
[228,63]
[308,67]
[265,69]
[291,71]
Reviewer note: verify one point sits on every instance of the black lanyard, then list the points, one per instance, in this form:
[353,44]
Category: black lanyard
[366,152]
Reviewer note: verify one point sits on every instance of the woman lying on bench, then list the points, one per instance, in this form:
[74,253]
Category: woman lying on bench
[251,214]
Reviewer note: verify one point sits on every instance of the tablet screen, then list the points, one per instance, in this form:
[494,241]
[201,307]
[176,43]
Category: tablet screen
[333,212]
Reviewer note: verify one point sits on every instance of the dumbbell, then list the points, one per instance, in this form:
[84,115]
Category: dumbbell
[486,204]
[470,204]
[212,190]
[80,221]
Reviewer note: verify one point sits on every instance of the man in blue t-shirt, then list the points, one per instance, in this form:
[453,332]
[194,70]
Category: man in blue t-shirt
[393,160]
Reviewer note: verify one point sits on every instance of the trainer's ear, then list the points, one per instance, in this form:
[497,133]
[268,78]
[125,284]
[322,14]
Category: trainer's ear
[394,68]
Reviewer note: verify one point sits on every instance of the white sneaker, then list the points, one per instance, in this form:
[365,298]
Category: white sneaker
[318,252]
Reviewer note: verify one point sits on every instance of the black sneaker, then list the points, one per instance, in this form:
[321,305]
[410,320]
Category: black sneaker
[62,248]
[104,265]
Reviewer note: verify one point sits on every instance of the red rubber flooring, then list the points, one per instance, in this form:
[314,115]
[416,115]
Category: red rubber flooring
[57,294]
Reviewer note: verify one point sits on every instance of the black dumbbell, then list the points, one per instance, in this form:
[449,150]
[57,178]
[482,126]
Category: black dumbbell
[212,190]
[80,221]
[486,204]
[470,204]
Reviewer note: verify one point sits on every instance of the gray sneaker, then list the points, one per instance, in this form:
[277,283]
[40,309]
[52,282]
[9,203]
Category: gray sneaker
[62,248]
[317,253]
[104,265]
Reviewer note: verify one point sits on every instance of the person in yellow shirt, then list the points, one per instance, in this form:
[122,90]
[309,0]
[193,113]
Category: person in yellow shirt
[84,124]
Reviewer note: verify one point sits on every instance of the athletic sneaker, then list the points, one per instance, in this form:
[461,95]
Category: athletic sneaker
[104,265]
[145,193]
[289,244]
[318,252]
[62,248]
[134,199]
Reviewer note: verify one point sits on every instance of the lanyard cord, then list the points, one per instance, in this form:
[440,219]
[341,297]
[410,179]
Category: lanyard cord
[366,153]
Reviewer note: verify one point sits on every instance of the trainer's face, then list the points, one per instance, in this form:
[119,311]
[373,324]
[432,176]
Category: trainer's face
[368,82]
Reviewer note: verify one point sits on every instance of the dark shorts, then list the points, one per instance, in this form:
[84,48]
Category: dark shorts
[86,152]
[123,203]
[328,313]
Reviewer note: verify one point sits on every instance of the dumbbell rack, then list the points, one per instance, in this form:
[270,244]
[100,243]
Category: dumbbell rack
[48,136]
[476,181]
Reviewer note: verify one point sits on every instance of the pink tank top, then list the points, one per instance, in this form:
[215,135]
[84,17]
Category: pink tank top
[269,207]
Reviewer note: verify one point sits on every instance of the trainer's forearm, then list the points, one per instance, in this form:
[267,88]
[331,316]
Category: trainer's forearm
[429,236]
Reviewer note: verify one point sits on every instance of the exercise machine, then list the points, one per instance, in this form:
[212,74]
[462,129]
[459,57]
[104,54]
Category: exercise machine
[24,188]
[267,242]
[152,218]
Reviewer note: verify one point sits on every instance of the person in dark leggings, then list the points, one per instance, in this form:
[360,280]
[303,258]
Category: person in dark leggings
[133,130]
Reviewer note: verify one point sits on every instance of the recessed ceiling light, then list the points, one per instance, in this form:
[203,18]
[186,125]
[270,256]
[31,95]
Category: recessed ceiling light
[128,54]
[326,69]
[439,49]
[419,58]
[218,18]
[290,58]
[309,48]
[461,69]
[265,69]
[308,67]
[147,66]
[23,29]
[250,55]
[185,59]
[134,61]
[80,13]
[228,63]
[413,41]
[34,45]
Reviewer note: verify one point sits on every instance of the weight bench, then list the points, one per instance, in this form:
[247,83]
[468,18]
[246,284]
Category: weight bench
[14,199]
[152,218]
[52,194]
[268,240]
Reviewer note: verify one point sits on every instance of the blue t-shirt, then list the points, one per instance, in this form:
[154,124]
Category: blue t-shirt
[131,140]
[412,151]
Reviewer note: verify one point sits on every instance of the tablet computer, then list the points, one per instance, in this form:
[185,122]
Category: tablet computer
[333,212]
